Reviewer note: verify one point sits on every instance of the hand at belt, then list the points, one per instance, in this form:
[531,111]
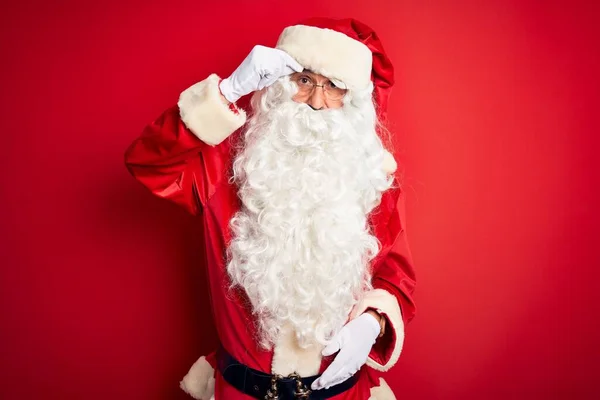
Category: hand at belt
[354,342]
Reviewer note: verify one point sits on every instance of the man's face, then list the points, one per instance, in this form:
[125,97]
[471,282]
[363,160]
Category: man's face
[316,90]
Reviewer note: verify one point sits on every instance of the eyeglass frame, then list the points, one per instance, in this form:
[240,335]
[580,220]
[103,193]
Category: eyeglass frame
[326,93]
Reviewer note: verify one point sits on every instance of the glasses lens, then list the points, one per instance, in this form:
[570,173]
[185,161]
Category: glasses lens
[335,93]
[305,84]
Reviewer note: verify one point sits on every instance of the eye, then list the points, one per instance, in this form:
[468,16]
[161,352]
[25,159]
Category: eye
[331,85]
[303,80]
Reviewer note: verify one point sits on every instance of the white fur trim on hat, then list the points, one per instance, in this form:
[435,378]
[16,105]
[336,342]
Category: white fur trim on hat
[385,303]
[205,113]
[329,53]
[200,381]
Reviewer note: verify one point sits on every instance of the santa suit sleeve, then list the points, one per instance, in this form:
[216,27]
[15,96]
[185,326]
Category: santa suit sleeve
[393,281]
[180,156]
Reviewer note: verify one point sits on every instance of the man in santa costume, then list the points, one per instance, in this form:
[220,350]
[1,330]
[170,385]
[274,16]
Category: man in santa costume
[309,270]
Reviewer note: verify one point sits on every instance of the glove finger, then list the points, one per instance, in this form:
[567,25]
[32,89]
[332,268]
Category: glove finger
[267,80]
[316,385]
[263,83]
[337,343]
[344,337]
[328,374]
[331,348]
[287,70]
[292,64]
[339,379]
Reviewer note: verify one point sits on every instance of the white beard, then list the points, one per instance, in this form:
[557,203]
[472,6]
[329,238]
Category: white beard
[301,242]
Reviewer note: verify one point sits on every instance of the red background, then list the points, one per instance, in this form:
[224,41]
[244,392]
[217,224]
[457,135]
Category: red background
[496,116]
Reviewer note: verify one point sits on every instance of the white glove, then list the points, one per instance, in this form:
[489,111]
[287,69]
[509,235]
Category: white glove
[261,68]
[354,342]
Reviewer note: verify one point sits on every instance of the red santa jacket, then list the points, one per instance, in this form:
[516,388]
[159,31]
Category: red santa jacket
[185,156]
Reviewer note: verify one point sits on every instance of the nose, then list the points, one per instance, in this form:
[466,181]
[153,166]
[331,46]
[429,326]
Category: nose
[317,98]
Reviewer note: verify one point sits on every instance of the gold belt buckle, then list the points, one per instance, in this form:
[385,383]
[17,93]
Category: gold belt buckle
[301,392]
[272,394]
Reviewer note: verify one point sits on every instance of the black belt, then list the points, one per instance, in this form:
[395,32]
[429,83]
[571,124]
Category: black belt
[261,385]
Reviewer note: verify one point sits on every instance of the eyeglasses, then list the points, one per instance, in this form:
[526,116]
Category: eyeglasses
[307,85]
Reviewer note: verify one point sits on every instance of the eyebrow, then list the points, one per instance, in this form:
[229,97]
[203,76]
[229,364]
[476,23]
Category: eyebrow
[309,72]
[306,72]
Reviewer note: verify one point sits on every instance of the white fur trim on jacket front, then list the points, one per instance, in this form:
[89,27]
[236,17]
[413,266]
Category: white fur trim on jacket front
[385,303]
[205,113]
[289,357]
[200,381]
[382,392]
[329,53]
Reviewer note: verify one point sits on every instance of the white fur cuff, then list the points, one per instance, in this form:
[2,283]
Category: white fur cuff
[200,381]
[384,303]
[206,114]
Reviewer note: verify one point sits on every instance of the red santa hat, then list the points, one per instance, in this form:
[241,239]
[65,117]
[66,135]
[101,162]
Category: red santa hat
[345,50]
